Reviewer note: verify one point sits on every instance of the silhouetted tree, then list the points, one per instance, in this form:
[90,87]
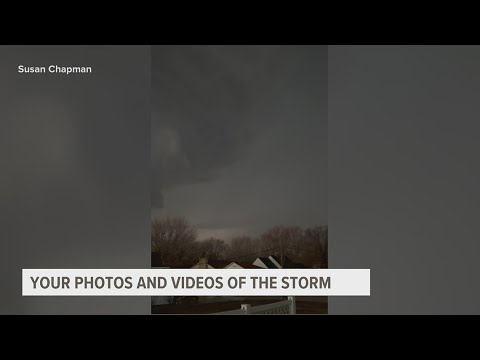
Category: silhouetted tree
[284,241]
[316,239]
[174,243]
[243,248]
[174,240]
[212,248]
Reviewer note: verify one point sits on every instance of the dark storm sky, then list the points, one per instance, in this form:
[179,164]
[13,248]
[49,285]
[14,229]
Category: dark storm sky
[239,136]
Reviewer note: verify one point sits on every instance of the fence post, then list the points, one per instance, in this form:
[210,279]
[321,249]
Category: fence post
[246,308]
[293,306]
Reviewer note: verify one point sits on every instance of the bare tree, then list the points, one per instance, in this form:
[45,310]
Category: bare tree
[316,239]
[284,240]
[174,240]
[214,249]
[174,244]
[243,248]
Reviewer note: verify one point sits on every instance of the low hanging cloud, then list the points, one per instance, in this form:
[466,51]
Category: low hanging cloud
[202,98]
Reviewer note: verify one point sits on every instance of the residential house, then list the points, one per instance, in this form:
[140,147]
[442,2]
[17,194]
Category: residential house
[204,263]
[271,262]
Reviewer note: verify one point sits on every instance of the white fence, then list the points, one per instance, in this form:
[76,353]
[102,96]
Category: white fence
[285,307]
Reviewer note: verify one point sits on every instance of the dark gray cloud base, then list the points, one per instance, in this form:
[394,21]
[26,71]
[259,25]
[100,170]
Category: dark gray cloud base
[201,99]
[240,132]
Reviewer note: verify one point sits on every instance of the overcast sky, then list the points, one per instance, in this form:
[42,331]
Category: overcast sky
[239,136]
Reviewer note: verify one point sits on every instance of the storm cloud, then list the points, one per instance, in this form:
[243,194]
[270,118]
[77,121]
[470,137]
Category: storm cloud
[226,120]
[202,98]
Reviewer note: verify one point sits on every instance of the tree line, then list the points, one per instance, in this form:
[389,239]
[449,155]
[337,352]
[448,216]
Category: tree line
[175,243]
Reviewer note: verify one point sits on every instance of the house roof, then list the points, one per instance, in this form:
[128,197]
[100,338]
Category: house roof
[219,264]
[248,265]
[268,263]
[245,265]
[287,263]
